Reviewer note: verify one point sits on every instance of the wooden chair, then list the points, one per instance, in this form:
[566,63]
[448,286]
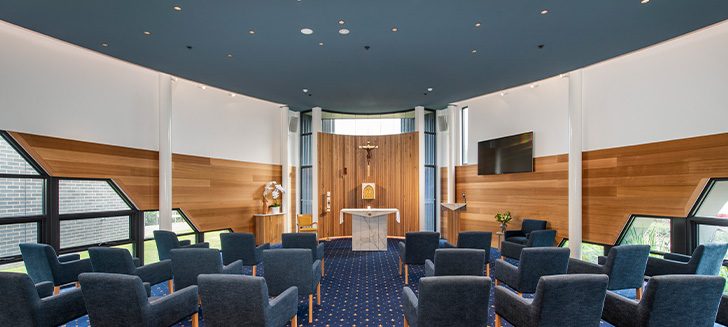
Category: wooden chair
[305,223]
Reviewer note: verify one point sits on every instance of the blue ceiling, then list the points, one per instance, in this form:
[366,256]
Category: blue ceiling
[431,49]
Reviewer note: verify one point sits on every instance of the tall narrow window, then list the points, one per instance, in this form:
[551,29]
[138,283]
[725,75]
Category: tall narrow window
[465,131]
[430,170]
[306,164]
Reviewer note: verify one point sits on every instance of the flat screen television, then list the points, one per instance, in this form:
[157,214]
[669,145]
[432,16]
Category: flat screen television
[506,155]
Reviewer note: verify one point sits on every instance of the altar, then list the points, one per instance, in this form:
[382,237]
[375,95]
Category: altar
[369,227]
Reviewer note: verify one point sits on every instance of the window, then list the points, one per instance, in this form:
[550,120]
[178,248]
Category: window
[21,197]
[709,215]
[715,201]
[213,238]
[76,196]
[430,170]
[590,252]
[14,234]
[464,118]
[180,226]
[306,164]
[653,231]
[384,124]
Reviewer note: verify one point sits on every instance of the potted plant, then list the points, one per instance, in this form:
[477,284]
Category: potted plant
[272,193]
[503,218]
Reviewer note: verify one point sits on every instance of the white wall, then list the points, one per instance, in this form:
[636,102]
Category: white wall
[672,90]
[53,88]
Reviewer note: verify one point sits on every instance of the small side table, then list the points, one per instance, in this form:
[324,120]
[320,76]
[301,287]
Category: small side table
[500,239]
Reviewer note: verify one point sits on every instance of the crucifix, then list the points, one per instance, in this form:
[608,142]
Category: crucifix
[369,147]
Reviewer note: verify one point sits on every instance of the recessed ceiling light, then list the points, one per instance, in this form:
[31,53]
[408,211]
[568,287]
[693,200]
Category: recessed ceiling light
[644,1]
[321,44]
[563,75]
[429,89]
[232,95]
[534,85]
[477,24]
[305,90]
[503,94]
[341,22]
[104,45]
[204,87]
[147,33]
[251,32]
[344,31]
[306,31]
[544,12]
[177,8]
[229,55]
[394,29]
[473,51]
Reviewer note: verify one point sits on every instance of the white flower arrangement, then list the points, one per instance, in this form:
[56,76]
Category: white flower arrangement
[273,192]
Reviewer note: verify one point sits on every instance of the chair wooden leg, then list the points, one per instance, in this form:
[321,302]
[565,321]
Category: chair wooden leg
[310,308]
[322,267]
[294,321]
[56,290]
[78,285]
[638,293]
[520,294]
[318,294]
[170,286]
[405,322]
[497,322]
[503,258]
[196,320]
[255,270]
[487,270]
[400,266]
[406,274]
[497,282]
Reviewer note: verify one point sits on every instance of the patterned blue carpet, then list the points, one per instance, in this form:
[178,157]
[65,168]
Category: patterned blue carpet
[359,289]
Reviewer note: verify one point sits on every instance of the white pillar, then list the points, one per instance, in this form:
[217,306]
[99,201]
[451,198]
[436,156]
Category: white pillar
[575,148]
[315,129]
[165,152]
[452,154]
[285,169]
[420,128]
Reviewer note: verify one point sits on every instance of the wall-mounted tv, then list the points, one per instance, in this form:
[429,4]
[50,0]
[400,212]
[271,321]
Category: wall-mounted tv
[506,155]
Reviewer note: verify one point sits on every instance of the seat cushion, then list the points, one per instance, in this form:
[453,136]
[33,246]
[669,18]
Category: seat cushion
[518,239]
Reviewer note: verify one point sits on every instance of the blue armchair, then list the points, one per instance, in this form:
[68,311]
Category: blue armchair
[416,248]
[706,260]
[448,301]
[560,301]
[456,262]
[527,226]
[26,304]
[669,301]
[43,264]
[722,317]
[187,264]
[167,241]
[476,240]
[533,264]
[539,238]
[231,300]
[625,265]
[285,268]
[120,261]
[241,246]
[305,241]
[116,300]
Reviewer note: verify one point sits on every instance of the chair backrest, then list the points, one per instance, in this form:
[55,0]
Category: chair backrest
[166,241]
[238,246]
[681,300]
[708,258]
[453,301]
[288,267]
[570,300]
[420,246]
[41,261]
[626,266]
[229,300]
[188,263]
[19,300]
[300,241]
[722,317]
[530,225]
[115,299]
[540,238]
[464,262]
[475,240]
[305,220]
[111,260]
[535,263]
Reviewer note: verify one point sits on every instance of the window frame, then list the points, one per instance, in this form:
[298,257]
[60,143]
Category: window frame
[675,239]
[693,220]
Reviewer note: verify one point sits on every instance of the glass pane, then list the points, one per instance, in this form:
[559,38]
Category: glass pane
[715,203]
[306,150]
[306,122]
[430,149]
[17,267]
[368,126]
[88,196]
[724,273]
[589,252]
[151,223]
[92,231]
[712,234]
[430,122]
[11,162]
[651,231]
[464,141]
[214,238]
[150,249]
[13,234]
[408,125]
[21,197]
[306,189]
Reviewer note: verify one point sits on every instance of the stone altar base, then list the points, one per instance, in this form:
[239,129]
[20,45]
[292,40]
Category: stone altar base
[369,233]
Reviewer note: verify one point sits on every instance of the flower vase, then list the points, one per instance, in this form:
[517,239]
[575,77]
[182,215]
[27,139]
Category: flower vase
[503,228]
[275,210]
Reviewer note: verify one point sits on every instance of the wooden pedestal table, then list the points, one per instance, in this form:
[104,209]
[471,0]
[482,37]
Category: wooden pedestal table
[268,227]
[450,223]
[369,227]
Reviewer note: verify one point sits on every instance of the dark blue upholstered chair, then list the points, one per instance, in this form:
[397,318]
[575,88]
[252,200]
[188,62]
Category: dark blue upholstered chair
[230,300]
[25,304]
[167,241]
[706,260]
[722,317]
[477,240]
[43,264]
[448,301]
[625,265]
[116,300]
[669,301]
[533,264]
[285,268]
[560,301]
[241,246]
[305,241]
[187,264]
[416,249]
[538,238]
[527,226]
[120,261]
[456,262]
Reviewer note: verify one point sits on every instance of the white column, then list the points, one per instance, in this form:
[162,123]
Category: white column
[285,169]
[315,129]
[452,154]
[165,152]
[420,127]
[575,148]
